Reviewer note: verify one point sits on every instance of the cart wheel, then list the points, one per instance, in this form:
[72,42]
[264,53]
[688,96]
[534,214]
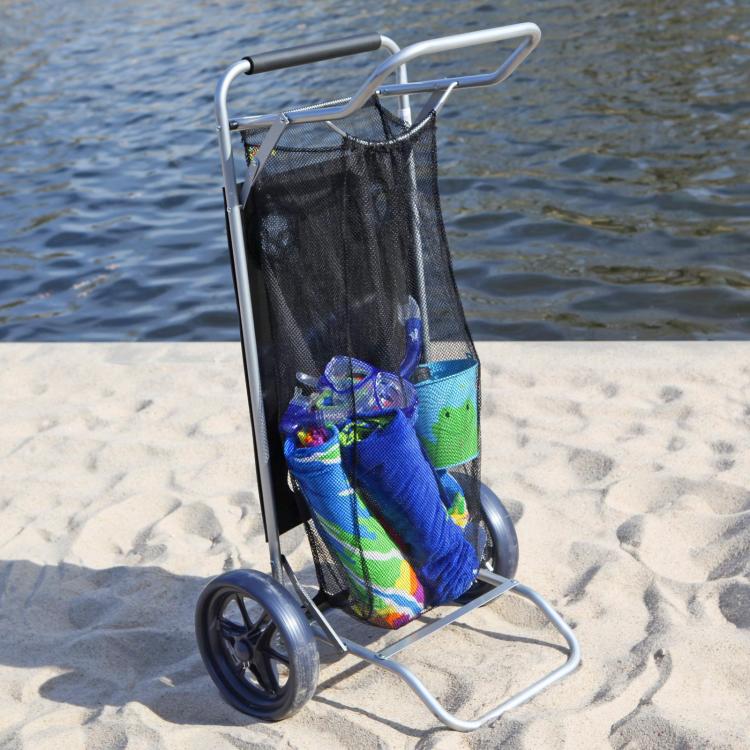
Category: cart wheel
[256,644]
[502,553]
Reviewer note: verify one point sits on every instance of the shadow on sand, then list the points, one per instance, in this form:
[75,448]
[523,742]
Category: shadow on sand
[125,634]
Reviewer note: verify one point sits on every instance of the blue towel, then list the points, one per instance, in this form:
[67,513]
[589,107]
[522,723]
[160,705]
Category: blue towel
[390,465]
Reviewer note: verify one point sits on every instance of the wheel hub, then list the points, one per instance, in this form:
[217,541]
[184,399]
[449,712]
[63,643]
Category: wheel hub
[242,650]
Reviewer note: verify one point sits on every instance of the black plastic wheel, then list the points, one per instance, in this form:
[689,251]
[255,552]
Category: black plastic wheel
[256,644]
[502,551]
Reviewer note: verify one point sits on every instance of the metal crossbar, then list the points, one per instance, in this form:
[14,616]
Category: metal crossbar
[441,622]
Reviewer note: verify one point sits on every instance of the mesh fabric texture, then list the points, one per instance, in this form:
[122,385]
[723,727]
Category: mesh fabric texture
[333,226]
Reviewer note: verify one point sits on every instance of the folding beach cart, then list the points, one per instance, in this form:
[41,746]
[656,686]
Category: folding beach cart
[363,383]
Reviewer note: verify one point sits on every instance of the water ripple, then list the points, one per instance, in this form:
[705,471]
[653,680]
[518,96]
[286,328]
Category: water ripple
[602,192]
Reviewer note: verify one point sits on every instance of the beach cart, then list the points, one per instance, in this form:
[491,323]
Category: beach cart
[363,383]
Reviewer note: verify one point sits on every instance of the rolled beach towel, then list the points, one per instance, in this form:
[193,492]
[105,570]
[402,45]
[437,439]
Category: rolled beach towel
[389,463]
[355,537]
[453,498]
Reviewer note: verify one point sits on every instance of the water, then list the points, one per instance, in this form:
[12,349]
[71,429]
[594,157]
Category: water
[600,193]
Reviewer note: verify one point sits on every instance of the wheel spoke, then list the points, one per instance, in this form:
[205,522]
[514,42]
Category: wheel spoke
[263,645]
[265,672]
[243,611]
[257,631]
[229,629]
[275,654]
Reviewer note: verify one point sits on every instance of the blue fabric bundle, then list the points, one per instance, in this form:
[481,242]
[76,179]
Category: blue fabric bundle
[390,465]
[383,586]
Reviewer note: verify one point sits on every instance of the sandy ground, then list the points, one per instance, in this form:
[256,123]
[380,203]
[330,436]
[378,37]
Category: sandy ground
[126,482]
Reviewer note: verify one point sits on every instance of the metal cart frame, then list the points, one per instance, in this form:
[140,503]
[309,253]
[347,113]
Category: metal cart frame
[236,196]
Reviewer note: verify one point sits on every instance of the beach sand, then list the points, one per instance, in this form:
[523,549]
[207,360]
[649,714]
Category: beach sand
[126,482]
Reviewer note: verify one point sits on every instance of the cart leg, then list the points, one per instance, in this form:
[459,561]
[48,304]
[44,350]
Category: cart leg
[468,725]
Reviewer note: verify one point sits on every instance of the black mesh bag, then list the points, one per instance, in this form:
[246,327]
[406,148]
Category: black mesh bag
[343,228]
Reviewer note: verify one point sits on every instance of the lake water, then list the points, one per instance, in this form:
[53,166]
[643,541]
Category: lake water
[602,192]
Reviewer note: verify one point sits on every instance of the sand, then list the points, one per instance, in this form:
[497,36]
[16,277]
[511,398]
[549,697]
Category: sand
[126,482]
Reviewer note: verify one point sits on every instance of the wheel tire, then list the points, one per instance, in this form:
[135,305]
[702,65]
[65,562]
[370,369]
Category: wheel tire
[239,653]
[503,541]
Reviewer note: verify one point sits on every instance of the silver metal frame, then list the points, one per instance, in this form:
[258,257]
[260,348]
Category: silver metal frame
[329,112]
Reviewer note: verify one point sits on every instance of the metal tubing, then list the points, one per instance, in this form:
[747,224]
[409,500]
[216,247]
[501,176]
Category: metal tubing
[441,622]
[436,101]
[528,31]
[319,619]
[404,111]
[416,233]
[246,313]
[264,151]
[469,725]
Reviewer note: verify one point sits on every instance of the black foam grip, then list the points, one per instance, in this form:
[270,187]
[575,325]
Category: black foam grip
[309,53]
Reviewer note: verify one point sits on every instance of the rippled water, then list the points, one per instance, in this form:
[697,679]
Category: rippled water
[602,192]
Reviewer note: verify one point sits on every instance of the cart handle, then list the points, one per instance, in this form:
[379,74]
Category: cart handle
[310,53]
[529,32]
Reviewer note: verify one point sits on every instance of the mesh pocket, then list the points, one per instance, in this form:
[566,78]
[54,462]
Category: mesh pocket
[447,418]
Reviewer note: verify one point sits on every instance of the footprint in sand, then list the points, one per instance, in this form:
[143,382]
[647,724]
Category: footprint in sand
[734,603]
[590,466]
[634,430]
[610,390]
[684,531]
[144,404]
[677,443]
[724,455]
[670,393]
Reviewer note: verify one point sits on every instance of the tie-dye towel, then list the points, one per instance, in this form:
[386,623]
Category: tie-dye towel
[354,535]
[453,498]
